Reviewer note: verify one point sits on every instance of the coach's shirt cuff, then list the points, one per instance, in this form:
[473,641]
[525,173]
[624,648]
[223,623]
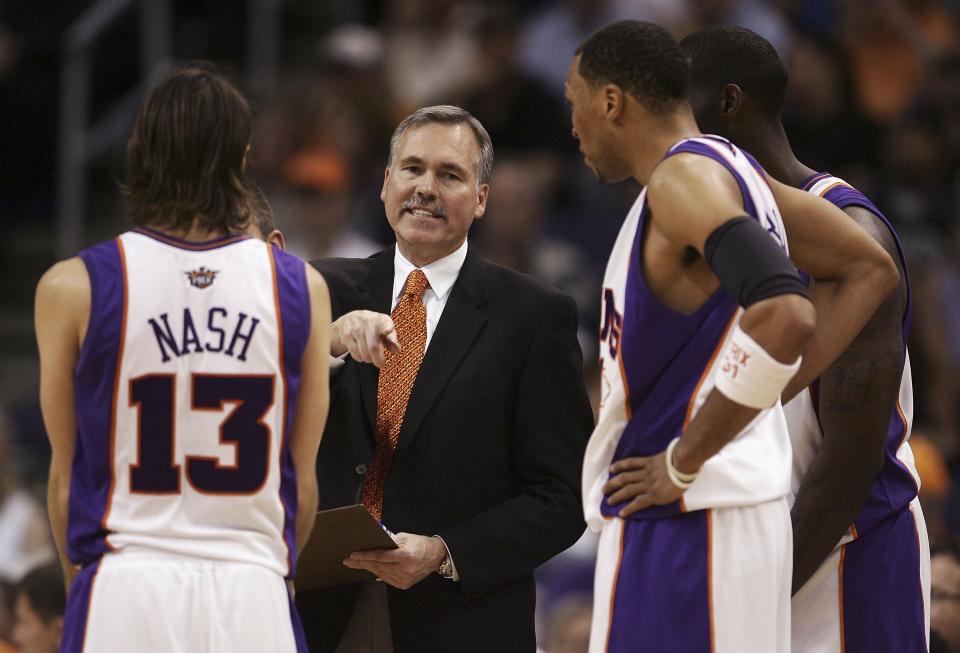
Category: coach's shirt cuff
[336,362]
[456,575]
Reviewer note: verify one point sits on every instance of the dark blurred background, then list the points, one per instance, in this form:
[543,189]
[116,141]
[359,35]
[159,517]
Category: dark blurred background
[874,97]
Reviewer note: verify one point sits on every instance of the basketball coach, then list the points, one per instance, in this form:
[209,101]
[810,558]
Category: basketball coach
[468,442]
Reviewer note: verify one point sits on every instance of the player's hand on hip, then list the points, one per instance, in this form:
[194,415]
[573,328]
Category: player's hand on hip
[364,335]
[641,482]
[417,557]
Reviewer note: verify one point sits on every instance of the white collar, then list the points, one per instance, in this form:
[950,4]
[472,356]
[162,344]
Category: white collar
[441,274]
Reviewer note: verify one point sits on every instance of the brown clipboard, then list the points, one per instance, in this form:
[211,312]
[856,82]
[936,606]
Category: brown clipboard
[336,534]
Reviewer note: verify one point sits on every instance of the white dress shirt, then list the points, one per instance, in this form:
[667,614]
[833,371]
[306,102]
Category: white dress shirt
[441,275]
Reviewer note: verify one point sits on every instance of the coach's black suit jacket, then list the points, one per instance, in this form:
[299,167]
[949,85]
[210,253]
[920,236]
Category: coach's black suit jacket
[488,457]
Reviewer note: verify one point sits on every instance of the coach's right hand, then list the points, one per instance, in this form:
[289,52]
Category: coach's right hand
[364,335]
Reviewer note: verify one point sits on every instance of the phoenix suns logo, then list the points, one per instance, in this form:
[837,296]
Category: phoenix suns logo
[201,277]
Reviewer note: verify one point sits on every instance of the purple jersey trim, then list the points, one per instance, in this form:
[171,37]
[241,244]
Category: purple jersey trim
[730,146]
[213,243]
[843,196]
[693,147]
[293,301]
[95,379]
[661,597]
[664,355]
[813,179]
[895,487]
[77,612]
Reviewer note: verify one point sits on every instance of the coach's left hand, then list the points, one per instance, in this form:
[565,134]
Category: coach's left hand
[641,481]
[418,557]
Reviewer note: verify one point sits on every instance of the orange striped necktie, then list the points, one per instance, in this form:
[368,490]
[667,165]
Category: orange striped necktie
[397,375]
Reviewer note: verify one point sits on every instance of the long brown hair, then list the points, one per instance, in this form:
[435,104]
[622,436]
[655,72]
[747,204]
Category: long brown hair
[185,157]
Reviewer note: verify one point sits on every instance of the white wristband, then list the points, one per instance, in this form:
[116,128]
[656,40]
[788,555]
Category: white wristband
[749,375]
[678,478]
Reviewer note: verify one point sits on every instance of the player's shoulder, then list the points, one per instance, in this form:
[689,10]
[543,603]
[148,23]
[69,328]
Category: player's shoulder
[683,173]
[64,290]
[65,277]
[860,208]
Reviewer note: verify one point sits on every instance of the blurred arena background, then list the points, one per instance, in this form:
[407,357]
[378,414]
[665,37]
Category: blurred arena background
[874,97]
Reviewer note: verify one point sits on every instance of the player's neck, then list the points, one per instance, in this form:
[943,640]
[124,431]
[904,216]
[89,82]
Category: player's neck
[771,147]
[654,141]
[197,232]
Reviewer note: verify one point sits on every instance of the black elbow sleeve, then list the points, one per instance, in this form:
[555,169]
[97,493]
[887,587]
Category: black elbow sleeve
[749,263]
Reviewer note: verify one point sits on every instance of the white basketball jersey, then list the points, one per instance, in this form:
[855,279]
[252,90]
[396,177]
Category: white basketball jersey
[658,366]
[898,482]
[197,347]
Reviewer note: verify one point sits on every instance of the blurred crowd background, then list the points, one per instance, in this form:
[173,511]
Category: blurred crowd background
[874,97]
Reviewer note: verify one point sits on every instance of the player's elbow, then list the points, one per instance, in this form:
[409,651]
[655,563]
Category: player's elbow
[58,489]
[786,323]
[800,320]
[885,276]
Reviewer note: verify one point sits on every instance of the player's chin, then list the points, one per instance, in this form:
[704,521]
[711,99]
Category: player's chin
[607,176]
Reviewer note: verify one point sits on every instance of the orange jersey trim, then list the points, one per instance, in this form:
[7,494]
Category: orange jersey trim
[116,394]
[283,396]
[696,390]
[832,186]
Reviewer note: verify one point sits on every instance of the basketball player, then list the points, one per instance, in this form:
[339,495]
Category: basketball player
[263,225]
[184,390]
[364,335]
[861,576]
[704,321]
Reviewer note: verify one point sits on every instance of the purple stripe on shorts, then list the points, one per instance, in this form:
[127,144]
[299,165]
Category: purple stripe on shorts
[882,596]
[662,593]
[78,608]
[298,635]
[294,301]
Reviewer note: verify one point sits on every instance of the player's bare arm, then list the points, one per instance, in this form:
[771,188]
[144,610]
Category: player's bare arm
[364,335]
[855,393]
[691,197]
[312,405]
[62,311]
[853,274]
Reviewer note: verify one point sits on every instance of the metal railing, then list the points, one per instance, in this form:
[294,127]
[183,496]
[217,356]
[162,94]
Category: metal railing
[80,140]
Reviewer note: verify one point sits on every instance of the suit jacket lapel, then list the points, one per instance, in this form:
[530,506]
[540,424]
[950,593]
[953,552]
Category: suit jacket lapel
[373,295]
[459,326]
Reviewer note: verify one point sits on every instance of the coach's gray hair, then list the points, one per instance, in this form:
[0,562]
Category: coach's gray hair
[446,114]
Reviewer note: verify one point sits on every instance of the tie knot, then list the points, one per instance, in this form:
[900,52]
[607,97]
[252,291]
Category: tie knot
[416,283]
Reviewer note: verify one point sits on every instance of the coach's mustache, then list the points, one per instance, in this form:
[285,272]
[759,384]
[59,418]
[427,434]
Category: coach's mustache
[423,204]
